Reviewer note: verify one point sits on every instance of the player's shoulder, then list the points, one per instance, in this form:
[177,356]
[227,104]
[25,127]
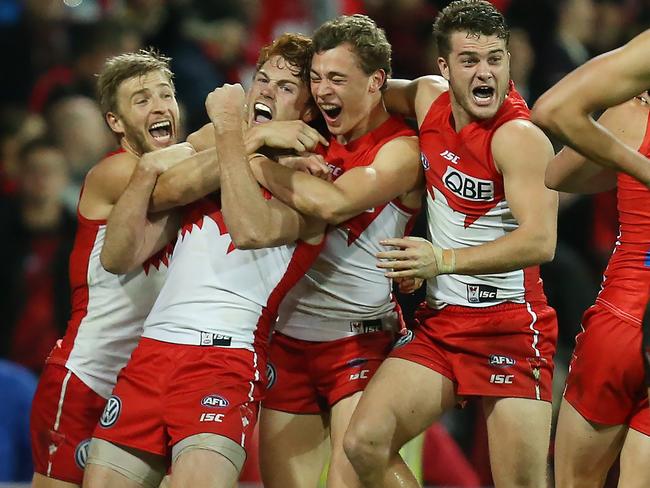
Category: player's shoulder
[519,137]
[433,85]
[114,167]
[399,150]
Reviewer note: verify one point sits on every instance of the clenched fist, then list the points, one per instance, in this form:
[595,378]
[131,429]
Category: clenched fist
[225,106]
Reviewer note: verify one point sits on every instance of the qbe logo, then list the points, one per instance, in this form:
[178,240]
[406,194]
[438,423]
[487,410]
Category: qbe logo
[215,401]
[270,375]
[111,412]
[468,187]
[81,453]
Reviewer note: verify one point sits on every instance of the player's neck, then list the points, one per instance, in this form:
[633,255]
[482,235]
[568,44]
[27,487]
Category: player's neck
[377,116]
[460,115]
[130,148]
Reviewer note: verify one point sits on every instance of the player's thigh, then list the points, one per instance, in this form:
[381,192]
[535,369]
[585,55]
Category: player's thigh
[41,481]
[341,474]
[98,476]
[519,432]
[402,399]
[634,461]
[584,451]
[203,468]
[293,448]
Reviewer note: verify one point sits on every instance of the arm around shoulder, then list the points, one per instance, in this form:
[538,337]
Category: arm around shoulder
[412,98]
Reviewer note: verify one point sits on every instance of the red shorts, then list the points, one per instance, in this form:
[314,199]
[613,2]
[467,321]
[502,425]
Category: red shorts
[64,414]
[501,351]
[309,377]
[168,392]
[606,381]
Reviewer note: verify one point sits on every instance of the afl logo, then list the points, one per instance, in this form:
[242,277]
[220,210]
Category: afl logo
[111,412]
[424,161]
[405,339]
[81,453]
[214,401]
[270,375]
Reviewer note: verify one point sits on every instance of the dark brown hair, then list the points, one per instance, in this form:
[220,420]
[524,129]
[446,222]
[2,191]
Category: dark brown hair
[473,16]
[367,40]
[296,49]
[125,66]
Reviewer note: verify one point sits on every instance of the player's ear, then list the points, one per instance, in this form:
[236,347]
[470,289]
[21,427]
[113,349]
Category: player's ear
[377,80]
[115,122]
[443,66]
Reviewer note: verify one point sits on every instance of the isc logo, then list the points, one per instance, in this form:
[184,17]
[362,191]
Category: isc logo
[363,374]
[501,379]
[212,417]
[468,187]
[450,156]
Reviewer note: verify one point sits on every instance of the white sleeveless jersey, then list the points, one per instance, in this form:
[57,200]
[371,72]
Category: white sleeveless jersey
[216,295]
[344,287]
[107,310]
[467,206]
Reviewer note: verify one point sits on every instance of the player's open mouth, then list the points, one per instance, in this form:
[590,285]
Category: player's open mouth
[161,131]
[330,111]
[483,95]
[261,113]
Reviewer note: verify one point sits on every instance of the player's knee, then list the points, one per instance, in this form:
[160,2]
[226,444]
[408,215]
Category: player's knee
[361,447]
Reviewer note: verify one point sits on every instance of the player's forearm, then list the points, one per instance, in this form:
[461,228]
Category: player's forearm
[125,241]
[307,194]
[571,172]
[517,250]
[250,221]
[186,182]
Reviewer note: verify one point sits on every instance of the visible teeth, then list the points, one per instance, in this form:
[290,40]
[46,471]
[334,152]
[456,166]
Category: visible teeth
[260,107]
[329,107]
[161,125]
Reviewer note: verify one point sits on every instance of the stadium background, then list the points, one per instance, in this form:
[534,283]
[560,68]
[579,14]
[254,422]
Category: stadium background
[53,48]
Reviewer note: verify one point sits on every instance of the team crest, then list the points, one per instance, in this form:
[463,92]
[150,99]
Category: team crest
[405,339]
[111,412]
[81,453]
[270,375]
[424,161]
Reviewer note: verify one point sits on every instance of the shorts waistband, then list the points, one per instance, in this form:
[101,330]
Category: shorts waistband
[498,308]
[326,329]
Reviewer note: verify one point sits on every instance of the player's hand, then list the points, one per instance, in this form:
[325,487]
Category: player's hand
[314,164]
[161,160]
[288,134]
[408,285]
[415,258]
[225,107]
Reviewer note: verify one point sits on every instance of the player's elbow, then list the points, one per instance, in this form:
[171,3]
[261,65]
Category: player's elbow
[546,113]
[253,237]
[545,249]
[113,264]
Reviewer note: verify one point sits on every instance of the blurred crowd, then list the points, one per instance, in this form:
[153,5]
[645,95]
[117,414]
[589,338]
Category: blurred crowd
[52,130]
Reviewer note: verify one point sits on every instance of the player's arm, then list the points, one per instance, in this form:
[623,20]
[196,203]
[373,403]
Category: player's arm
[395,171]
[607,80]
[412,98]
[521,152]
[132,233]
[252,220]
[571,172]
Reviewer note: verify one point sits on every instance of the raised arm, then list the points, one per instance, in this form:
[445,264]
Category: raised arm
[253,221]
[132,233]
[395,171]
[413,98]
[571,172]
[608,80]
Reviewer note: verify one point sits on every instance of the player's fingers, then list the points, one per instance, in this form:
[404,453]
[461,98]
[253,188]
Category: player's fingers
[397,264]
[397,242]
[397,255]
[401,274]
